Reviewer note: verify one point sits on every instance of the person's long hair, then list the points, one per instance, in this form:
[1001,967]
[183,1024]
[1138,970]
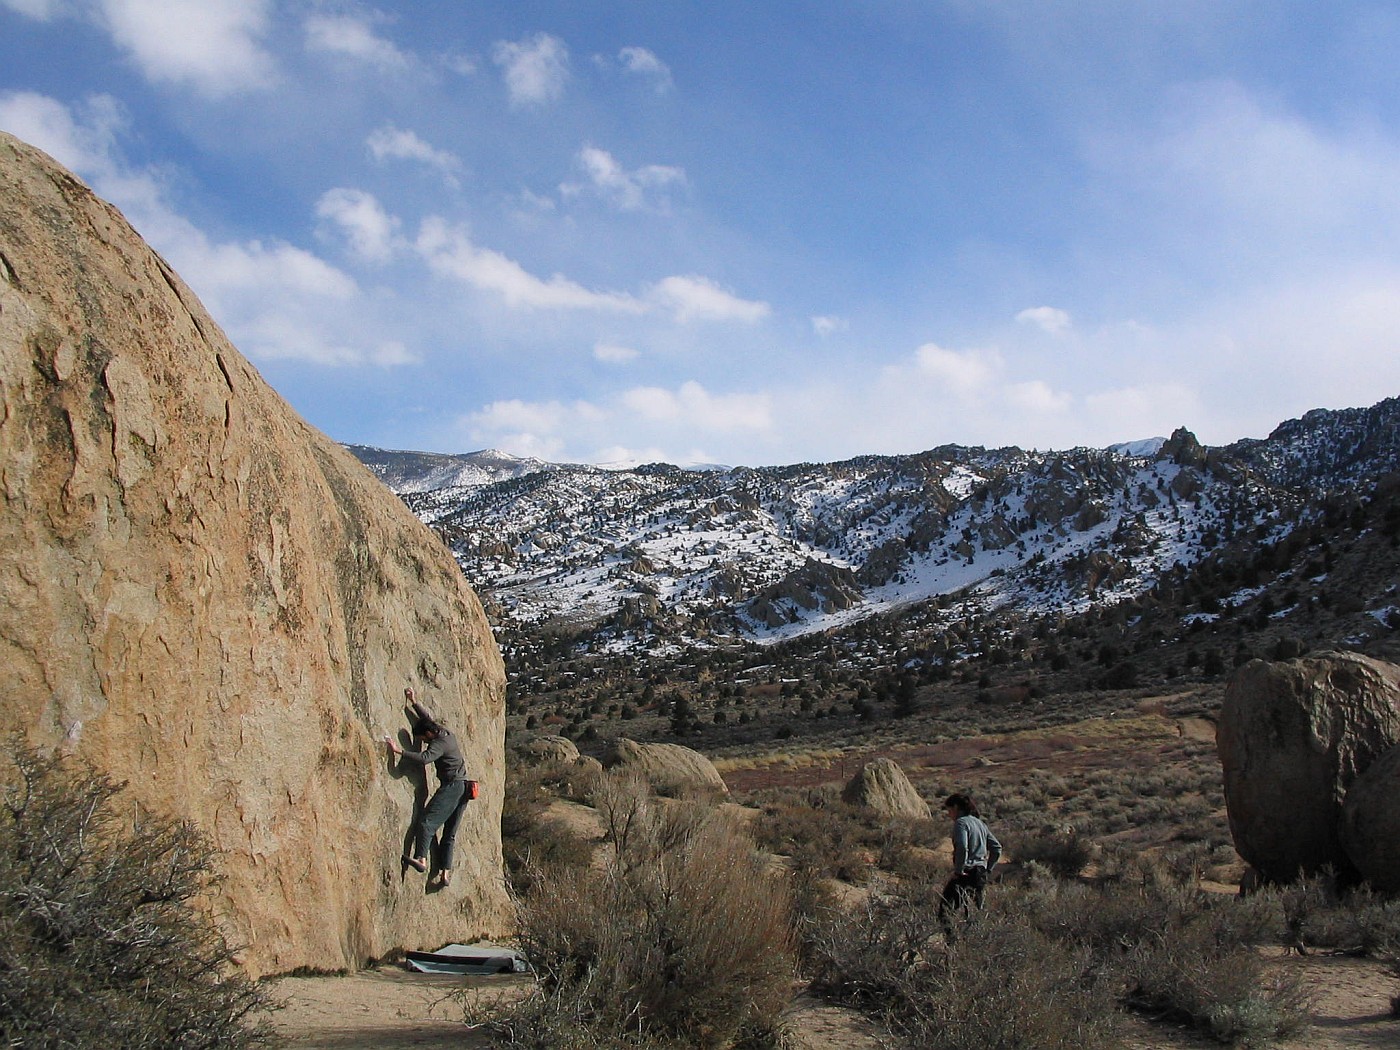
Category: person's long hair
[963,804]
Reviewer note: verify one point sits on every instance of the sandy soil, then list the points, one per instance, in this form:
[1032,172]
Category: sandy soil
[392,1009]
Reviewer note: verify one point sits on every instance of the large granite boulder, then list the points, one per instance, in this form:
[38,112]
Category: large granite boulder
[1292,738]
[671,769]
[1371,822]
[203,596]
[881,785]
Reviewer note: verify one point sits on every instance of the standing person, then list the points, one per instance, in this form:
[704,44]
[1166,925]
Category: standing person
[975,852]
[444,810]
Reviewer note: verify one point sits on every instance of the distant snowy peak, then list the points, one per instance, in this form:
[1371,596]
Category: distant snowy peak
[415,472]
[1143,448]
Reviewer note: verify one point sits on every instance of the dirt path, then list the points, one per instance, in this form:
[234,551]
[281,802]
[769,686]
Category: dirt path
[387,1008]
[390,1008]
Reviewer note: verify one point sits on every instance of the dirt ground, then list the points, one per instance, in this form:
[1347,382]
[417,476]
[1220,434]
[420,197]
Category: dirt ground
[390,1008]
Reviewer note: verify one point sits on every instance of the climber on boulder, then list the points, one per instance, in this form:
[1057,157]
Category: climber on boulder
[444,810]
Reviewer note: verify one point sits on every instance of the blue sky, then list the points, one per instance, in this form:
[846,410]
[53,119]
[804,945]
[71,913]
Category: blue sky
[754,232]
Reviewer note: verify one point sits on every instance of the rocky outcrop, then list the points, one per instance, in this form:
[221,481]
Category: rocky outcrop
[1183,449]
[816,586]
[671,769]
[883,563]
[203,596]
[1371,822]
[550,749]
[1292,738]
[880,785]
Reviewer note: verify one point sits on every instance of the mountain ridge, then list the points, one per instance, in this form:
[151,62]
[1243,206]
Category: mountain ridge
[627,559]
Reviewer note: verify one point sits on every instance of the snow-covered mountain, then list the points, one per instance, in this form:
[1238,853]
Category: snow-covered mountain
[658,554]
[406,472]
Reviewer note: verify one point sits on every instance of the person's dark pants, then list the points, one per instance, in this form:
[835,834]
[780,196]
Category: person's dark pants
[963,893]
[443,810]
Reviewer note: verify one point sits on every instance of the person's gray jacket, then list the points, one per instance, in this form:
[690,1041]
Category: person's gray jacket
[974,845]
[444,752]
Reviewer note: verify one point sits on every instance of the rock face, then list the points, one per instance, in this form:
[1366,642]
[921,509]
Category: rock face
[1292,738]
[551,749]
[882,786]
[671,769]
[202,595]
[1371,822]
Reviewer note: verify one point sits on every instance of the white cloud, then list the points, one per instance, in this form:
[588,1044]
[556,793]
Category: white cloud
[613,354]
[462,65]
[354,37]
[1320,342]
[634,426]
[393,354]
[693,406]
[1243,186]
[642,62]
[255,266]
[627,190]
[1038,397]
[528,428]
[965,373]
[535,68]
[1047,318]
[695,298]
[276,300]
[389,142]
[82,143]
[371,231]
[825,325]
[276,336]
[1141,411]
[213,45]
[627,456]
[450,252]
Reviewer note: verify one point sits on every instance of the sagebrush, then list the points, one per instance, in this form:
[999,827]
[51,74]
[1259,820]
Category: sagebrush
[102,940]
[681,938]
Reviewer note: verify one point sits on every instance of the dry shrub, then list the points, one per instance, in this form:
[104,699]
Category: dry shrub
[102,939]
[1320,914]
[824,836]
[1002,982]
[1183,954]
[682,939]
[1051,964]
[1064,853]
[643,827]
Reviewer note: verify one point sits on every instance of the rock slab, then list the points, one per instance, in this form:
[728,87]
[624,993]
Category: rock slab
[1292,738]
[671,769]
[202,595]
[881,785]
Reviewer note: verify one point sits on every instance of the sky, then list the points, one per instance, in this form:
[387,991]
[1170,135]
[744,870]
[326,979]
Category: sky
[754,232]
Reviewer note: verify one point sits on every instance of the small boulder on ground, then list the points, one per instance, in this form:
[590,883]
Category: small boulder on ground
[671,769]
[881,785]
[1292,738]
